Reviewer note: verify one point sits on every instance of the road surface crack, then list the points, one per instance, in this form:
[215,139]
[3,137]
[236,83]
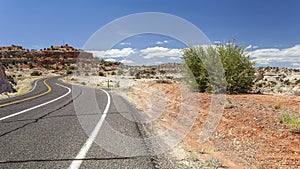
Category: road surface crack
[69,159]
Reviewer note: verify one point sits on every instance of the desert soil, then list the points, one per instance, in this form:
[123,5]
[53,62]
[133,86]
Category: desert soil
[248,135]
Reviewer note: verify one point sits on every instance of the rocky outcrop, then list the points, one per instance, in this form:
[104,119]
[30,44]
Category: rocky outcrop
[5,85]
[283,81]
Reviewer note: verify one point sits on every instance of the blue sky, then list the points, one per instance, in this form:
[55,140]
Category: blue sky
[260,25]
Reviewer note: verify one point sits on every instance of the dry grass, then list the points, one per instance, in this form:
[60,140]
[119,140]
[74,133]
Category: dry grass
[290,121]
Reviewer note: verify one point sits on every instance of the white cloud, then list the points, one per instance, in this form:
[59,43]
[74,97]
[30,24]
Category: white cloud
[251,47]
[174,58]
[296,64]
[162,42]
[160,52]
[110,60]
[274,55]
[217,42]
[248,47]
[114,53]
[229,43]
[126,61]
[125,43]
[158,62]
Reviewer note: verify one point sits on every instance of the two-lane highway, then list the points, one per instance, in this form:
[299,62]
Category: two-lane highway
[41,130]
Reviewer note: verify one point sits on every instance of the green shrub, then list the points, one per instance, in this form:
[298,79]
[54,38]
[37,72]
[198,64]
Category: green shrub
[259,85]
[273,84]
[69,72]
[204,66]
[287,82]
[101,74]
[36,73]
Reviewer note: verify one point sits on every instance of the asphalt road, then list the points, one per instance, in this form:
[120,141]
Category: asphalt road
[47,132]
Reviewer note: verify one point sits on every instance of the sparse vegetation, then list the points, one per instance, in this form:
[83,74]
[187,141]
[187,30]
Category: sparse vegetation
[287,82]
[215,163]
[277,106]
[290,121]
[36,73]
[197,164]
[101,74]
[138,75]
[229,105]
[69,72]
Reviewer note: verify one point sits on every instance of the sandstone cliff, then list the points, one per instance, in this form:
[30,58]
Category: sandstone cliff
[5,85]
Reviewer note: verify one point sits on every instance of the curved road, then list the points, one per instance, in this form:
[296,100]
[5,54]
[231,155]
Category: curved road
[41,130]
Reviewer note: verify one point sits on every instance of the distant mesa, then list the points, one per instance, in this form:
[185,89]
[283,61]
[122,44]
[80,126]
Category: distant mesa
[62,48]
[59,58]
[56,51]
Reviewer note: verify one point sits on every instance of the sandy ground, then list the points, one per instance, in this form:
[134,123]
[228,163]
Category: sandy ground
[249,134]
[115,82]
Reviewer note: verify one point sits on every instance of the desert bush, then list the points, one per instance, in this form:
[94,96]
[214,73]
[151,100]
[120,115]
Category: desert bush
[228,105]
[287,82]
[101,74]
[69,72]
[36,73]
[137,75]
[204,65]
[259,85]
[273,84]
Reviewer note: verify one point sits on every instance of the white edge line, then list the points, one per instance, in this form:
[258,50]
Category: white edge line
[87,145]
[33,86]
[43,104]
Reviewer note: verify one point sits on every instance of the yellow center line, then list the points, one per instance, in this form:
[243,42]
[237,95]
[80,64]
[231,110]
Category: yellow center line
[28,98]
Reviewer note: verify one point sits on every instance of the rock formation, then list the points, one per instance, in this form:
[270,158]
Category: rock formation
[5,85]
